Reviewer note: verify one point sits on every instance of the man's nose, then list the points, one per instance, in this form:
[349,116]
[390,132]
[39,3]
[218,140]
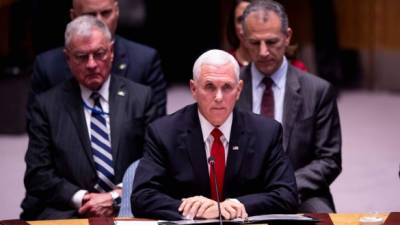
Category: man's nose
[91,61]
[218,95]
[263,50]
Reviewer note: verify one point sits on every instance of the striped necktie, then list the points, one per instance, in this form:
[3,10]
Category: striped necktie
[101,147]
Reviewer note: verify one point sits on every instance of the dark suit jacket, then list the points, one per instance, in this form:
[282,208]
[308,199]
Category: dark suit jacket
[311,131]
[134,61]
[174,166]
[59,157]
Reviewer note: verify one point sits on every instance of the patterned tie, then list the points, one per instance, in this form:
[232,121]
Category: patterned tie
[218,152]
[267,102]
[101,147]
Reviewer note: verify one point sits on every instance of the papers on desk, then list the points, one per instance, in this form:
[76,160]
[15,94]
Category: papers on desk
[268,218]
[132,222]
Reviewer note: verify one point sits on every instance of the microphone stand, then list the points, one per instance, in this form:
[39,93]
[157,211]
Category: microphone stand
[212,163]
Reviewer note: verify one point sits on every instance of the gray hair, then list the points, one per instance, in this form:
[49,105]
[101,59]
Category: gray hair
[215,57]
[267,6]
[83,26]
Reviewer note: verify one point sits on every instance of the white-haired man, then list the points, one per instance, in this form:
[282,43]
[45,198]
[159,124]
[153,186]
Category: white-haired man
[174,179]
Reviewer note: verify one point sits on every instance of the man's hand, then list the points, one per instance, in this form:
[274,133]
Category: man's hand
[195,207]
[203,208]
[97,204]
[230,209]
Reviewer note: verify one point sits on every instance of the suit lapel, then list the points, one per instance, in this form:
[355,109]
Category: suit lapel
[193,144]
[120,63]
[292,104]
[73,105]
[118,96]
[245,101]
[238,145]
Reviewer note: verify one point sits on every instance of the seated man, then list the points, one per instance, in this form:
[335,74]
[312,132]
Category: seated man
[85,132]
[253,174]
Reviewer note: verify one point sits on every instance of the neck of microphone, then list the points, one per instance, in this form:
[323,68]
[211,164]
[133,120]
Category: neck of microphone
[211,161]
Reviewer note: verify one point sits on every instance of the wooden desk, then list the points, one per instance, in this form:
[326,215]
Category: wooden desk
[337,219]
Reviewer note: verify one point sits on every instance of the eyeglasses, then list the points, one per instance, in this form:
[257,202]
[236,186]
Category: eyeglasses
[98,55]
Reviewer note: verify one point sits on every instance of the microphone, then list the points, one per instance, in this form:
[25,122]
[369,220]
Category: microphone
[211,161]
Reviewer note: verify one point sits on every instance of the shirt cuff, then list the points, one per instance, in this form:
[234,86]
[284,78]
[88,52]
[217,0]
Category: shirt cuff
[77,198]
[119,185]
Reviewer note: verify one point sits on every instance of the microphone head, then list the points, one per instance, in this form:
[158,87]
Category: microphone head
[211,160]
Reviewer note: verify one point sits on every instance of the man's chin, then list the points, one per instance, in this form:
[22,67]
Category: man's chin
[93,85]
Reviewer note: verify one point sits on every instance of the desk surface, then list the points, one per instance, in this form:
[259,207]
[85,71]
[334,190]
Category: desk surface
[337,219]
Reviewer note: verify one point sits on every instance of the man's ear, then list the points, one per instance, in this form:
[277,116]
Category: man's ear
[66,54]
[72,14]
[240,88]
[289,33]
[193,87]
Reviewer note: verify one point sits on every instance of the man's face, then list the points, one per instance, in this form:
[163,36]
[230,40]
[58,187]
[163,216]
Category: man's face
[105,10]
[90,58]
[238,18]
[266,41]
[216,91]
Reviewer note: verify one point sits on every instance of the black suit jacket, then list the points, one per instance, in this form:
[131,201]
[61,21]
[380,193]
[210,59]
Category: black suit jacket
[311,131]
[134,61]
[174,166]
[59,157]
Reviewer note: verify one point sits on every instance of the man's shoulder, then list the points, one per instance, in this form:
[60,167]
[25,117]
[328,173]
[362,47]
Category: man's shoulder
[130,83]
[307,79]
[178,119]
[54,54]
[255,121]
[54,96]
[134,47]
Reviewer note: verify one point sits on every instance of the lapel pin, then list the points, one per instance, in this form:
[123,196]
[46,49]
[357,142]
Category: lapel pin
[121,93]
[235,148]
[122,66]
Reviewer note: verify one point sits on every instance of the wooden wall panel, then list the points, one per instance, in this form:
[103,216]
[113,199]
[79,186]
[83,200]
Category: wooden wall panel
[364,24]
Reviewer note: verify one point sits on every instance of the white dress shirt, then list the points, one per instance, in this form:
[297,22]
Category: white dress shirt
[207,128]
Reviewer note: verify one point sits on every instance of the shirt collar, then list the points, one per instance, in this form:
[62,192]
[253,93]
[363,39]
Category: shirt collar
[278,77]
[103,92]
[207,127]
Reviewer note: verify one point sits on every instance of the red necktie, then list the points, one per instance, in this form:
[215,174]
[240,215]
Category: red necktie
[218,152]
[267,102]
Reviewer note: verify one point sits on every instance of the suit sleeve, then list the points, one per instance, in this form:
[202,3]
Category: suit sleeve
[326,165]
[156,81]
[39,83]
[41,179]
[149,198]
[279,193]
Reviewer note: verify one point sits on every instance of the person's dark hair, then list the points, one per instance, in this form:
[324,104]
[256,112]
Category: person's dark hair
[233,39]
[267,6]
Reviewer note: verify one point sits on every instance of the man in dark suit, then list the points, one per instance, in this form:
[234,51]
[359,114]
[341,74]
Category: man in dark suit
[134,61]
[252,173]
[303,103]
[85,132]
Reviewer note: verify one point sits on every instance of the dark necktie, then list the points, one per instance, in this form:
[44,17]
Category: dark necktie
[101,147]
[218,152]
[267,102]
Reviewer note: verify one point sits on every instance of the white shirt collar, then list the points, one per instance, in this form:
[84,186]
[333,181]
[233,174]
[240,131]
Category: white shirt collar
[103,92]
[207,127]
[278,77]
